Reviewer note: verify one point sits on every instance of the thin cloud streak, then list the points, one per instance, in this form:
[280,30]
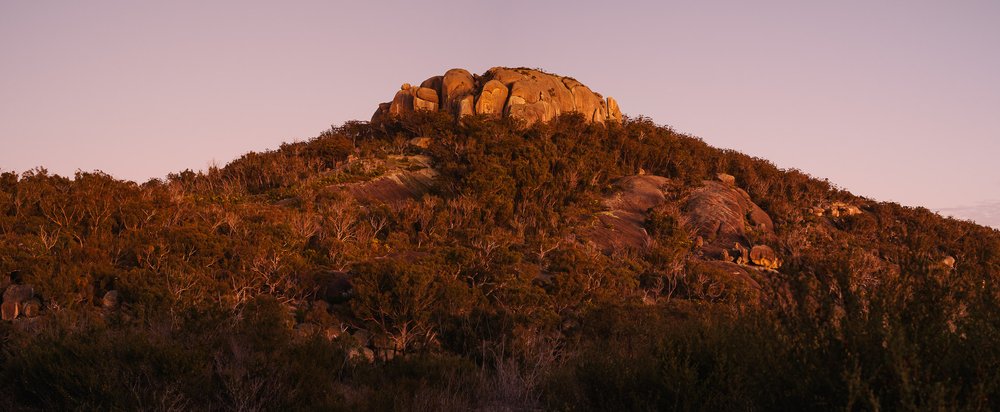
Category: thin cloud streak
[985,213]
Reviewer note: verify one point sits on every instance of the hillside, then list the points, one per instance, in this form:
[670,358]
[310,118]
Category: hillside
[457,259]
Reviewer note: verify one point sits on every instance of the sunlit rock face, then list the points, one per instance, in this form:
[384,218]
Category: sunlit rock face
[526,94]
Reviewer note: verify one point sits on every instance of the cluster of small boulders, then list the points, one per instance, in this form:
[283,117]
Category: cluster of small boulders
[836,209]
[20,301]
[758,255]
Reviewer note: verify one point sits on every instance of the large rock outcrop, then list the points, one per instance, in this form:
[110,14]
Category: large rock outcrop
[623,223]
[722,213]
[402,178]
[725,225]
[526,94]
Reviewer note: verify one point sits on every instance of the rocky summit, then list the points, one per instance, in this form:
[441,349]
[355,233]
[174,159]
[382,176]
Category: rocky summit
[527,94]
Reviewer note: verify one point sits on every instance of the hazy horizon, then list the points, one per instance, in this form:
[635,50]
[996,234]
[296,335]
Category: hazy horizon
[892,102]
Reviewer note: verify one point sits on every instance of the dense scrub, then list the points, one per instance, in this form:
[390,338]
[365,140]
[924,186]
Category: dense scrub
[480,294]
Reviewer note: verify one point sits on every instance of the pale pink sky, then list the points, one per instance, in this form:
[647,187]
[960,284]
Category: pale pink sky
[898,100]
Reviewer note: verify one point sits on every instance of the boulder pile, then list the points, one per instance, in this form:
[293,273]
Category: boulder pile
[19,300]
[527,94]
[722,214]
[836,209]
[764,256]
[623,222]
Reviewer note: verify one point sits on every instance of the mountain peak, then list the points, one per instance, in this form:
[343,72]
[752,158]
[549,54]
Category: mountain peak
[531,95]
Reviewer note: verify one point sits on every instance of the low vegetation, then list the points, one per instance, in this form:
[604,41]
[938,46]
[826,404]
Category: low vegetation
[266,285]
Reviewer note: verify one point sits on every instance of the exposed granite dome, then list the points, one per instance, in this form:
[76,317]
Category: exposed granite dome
[527,94]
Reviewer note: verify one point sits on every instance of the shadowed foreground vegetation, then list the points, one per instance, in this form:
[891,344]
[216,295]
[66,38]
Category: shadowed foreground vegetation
[268,285]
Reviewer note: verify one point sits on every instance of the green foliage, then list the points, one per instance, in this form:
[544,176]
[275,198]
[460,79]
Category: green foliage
[405,304]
